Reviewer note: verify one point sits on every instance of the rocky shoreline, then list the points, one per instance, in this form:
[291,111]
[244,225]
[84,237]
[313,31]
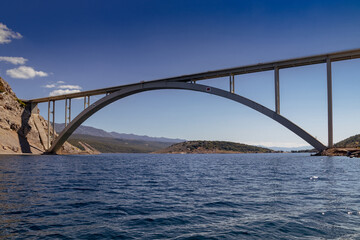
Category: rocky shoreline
[348,152]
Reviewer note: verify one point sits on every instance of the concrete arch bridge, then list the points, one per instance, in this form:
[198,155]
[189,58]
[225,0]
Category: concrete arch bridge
[190,82]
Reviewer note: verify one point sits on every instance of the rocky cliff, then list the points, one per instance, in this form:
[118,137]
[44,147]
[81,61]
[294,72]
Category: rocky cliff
[21,131]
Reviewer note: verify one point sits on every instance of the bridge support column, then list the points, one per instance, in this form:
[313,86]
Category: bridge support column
[49,142]
[48,137]
[33,108]
[232,83]
[330,108]
[86,101]
[67,111]
[53,120]
[277,90]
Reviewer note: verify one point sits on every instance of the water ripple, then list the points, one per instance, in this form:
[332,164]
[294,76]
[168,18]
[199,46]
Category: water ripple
[140,196]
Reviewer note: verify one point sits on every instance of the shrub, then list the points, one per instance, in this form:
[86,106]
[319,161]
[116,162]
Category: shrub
[22,104]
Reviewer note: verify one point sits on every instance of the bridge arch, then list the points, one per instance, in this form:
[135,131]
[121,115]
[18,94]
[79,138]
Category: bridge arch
[131,90]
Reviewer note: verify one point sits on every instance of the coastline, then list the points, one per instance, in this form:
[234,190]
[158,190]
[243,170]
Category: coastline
[348,152]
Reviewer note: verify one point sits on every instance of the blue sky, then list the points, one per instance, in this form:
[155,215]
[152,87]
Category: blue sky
[84,45]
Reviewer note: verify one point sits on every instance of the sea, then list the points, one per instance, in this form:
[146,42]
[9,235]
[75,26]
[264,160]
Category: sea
[179,196]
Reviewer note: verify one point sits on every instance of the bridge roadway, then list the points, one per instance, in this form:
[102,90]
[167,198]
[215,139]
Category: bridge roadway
[193,78]
[260,67]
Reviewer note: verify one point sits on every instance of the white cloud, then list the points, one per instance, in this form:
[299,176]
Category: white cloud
[70,87]
[14,60]
[25,72]
[61,88]
[6,34]
[63,91]
[50,86]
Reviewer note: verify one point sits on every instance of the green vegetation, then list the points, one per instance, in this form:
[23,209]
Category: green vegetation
[213,147]
[351,142]
[114,145]
[22,104]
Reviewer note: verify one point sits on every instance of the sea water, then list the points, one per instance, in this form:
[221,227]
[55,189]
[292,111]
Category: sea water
[204,196]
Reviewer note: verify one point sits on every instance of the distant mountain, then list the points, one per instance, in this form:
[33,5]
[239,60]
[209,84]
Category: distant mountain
[213,147]
[144,137]
[86,130]
[115,145]
[289,149]
[350,142]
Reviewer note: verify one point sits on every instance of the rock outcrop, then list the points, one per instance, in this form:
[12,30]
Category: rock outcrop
[23,130]
[89,149]
[349,152]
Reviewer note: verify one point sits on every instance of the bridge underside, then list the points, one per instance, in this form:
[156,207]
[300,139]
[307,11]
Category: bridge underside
[148,86]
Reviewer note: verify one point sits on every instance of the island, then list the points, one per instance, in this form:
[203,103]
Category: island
[206,147]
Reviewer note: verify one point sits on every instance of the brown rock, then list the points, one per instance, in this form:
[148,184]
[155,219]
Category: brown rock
[19,129]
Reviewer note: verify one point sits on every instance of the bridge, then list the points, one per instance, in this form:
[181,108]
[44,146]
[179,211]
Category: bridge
[191,83]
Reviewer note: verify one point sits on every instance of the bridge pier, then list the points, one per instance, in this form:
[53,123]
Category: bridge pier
[53,120]
[86,101]
[48,135]
[33,107]
[330,107]
[67,111]
[49,142]
[232,83]
[277,90]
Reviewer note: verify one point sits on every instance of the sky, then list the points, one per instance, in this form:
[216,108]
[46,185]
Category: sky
[56,47]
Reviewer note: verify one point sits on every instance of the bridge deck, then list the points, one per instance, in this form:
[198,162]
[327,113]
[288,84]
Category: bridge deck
[295,62]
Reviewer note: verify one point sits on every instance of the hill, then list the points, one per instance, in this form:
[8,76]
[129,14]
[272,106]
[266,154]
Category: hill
[213,147]
[87,130]
[114,145]
[350,142]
